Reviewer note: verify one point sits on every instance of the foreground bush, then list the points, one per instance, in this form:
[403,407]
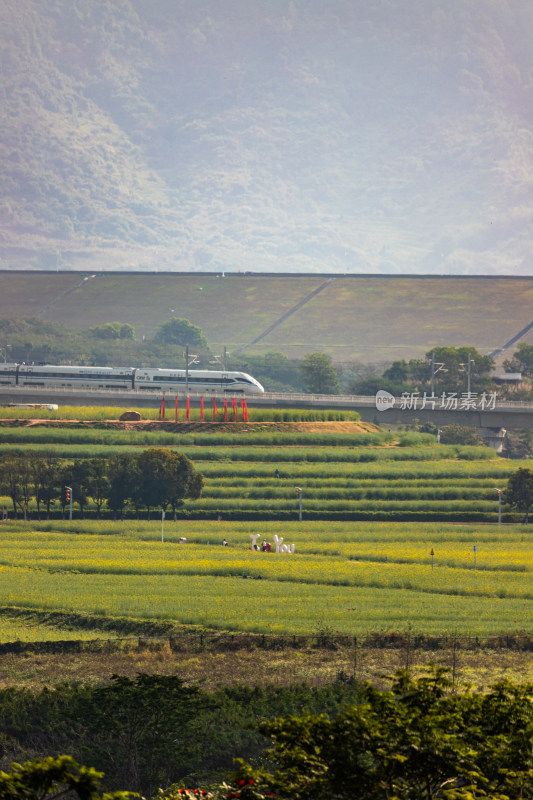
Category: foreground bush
[415,742]
[53,778]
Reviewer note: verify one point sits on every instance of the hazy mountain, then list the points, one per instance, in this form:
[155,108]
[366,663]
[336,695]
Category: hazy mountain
[267,135]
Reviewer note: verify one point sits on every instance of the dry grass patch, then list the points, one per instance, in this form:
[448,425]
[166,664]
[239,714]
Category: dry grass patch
[213,670]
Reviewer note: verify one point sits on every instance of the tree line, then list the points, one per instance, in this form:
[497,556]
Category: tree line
[155,478]
[159,737]
[445,369]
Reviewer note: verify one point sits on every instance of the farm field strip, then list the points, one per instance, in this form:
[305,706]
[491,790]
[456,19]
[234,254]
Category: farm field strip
[318,532]
[214,503]
[57,435]
[350,482]
[444,469]
[329,571]
[339,491]
[270,453]
[489,555]
[261,606]
[12,630]
[313,534]
[337,562]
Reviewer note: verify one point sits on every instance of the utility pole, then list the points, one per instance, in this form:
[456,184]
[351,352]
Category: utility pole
[469,373]
[300,494]
[436,366]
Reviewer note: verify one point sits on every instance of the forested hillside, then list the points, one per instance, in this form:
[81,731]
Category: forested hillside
[267,135]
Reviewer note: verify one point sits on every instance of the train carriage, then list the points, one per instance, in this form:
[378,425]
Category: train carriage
[197,381]
[75,377]
[8,374]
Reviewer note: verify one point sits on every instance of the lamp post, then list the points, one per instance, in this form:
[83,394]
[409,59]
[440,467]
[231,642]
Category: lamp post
[499,491]
[300,494]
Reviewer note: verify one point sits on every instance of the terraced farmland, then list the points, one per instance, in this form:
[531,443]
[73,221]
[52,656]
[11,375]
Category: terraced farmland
[252,474]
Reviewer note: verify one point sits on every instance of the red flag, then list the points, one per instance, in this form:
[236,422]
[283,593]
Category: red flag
[176,411]
[245,410]
[188,409]
[234,406]
[163,407]
[242,409]
[225,409]
[214,409]
[202,408]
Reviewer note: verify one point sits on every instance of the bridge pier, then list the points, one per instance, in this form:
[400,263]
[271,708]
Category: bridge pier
[493,437]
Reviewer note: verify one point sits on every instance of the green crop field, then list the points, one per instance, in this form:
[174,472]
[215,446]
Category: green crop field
[366,318]
[350,577]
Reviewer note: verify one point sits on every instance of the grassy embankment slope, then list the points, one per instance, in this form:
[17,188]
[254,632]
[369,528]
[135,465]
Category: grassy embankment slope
[363,318]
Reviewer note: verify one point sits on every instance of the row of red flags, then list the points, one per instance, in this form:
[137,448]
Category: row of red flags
[234,409]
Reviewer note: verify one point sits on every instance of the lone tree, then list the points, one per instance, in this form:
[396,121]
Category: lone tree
[519,492]
[166,479]
[318,374]
[181,332]
[461,434]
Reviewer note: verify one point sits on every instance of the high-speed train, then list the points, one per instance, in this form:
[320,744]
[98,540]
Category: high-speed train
[162,380]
